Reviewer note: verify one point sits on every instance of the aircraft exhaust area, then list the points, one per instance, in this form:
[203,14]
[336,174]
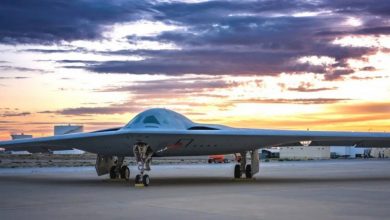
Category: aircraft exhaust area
[331,189]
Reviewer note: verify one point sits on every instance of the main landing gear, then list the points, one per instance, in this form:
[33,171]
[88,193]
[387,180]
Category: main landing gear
[113,166]
[248,169]
[143,155]
[118,170]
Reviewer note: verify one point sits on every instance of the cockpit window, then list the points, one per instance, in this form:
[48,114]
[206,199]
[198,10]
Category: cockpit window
[151,120]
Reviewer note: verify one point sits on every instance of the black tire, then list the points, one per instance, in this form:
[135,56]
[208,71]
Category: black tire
[237,171]
[146,180]
[210,160]
[248,171]
[125,173]
[138,179]
[113,172]
[225,160]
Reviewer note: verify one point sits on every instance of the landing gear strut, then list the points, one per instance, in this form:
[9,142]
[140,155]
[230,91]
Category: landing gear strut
[248,169]
[143,155]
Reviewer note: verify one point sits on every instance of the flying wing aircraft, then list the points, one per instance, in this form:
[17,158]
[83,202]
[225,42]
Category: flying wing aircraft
[161,132]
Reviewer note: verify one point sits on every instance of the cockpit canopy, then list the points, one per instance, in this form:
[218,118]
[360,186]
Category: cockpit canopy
[160,118]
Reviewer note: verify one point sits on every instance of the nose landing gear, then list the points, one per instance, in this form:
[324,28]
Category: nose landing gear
[143,155]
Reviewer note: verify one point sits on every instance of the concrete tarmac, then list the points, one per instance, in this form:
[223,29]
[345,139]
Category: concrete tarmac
[334,189]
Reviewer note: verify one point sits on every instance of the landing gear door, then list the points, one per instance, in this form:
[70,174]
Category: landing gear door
[255,162]
[104,164]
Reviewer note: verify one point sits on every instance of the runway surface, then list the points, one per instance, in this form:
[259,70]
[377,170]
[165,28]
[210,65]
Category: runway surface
[335,189]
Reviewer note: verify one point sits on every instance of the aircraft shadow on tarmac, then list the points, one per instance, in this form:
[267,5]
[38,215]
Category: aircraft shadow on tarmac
[184,181]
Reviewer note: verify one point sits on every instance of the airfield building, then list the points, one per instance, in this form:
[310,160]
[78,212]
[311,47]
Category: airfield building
[304,153]
[326,152]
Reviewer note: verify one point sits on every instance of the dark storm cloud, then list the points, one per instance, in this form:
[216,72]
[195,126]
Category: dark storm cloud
[356,7]
[218,10]
[240,38]
[362,31]
[285,32]
[217,38]
[222,61]
[50,21]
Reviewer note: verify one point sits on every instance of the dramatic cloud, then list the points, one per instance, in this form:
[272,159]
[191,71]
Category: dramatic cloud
[250,38]
[215,38]
[175,85]
[50,21]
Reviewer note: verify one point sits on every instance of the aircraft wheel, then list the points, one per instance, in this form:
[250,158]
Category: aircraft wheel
[248,171]
[113,172]
[125,173]
[138,179]
[146,180]
[237,171]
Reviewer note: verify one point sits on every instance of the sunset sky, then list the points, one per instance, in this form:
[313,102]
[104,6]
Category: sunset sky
[318,65]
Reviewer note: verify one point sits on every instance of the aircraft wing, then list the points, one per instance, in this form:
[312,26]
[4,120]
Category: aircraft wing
[281,138]
[234,140]
[84,141]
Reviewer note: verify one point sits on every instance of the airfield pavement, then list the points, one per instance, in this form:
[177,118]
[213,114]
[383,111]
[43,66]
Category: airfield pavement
[332,189]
